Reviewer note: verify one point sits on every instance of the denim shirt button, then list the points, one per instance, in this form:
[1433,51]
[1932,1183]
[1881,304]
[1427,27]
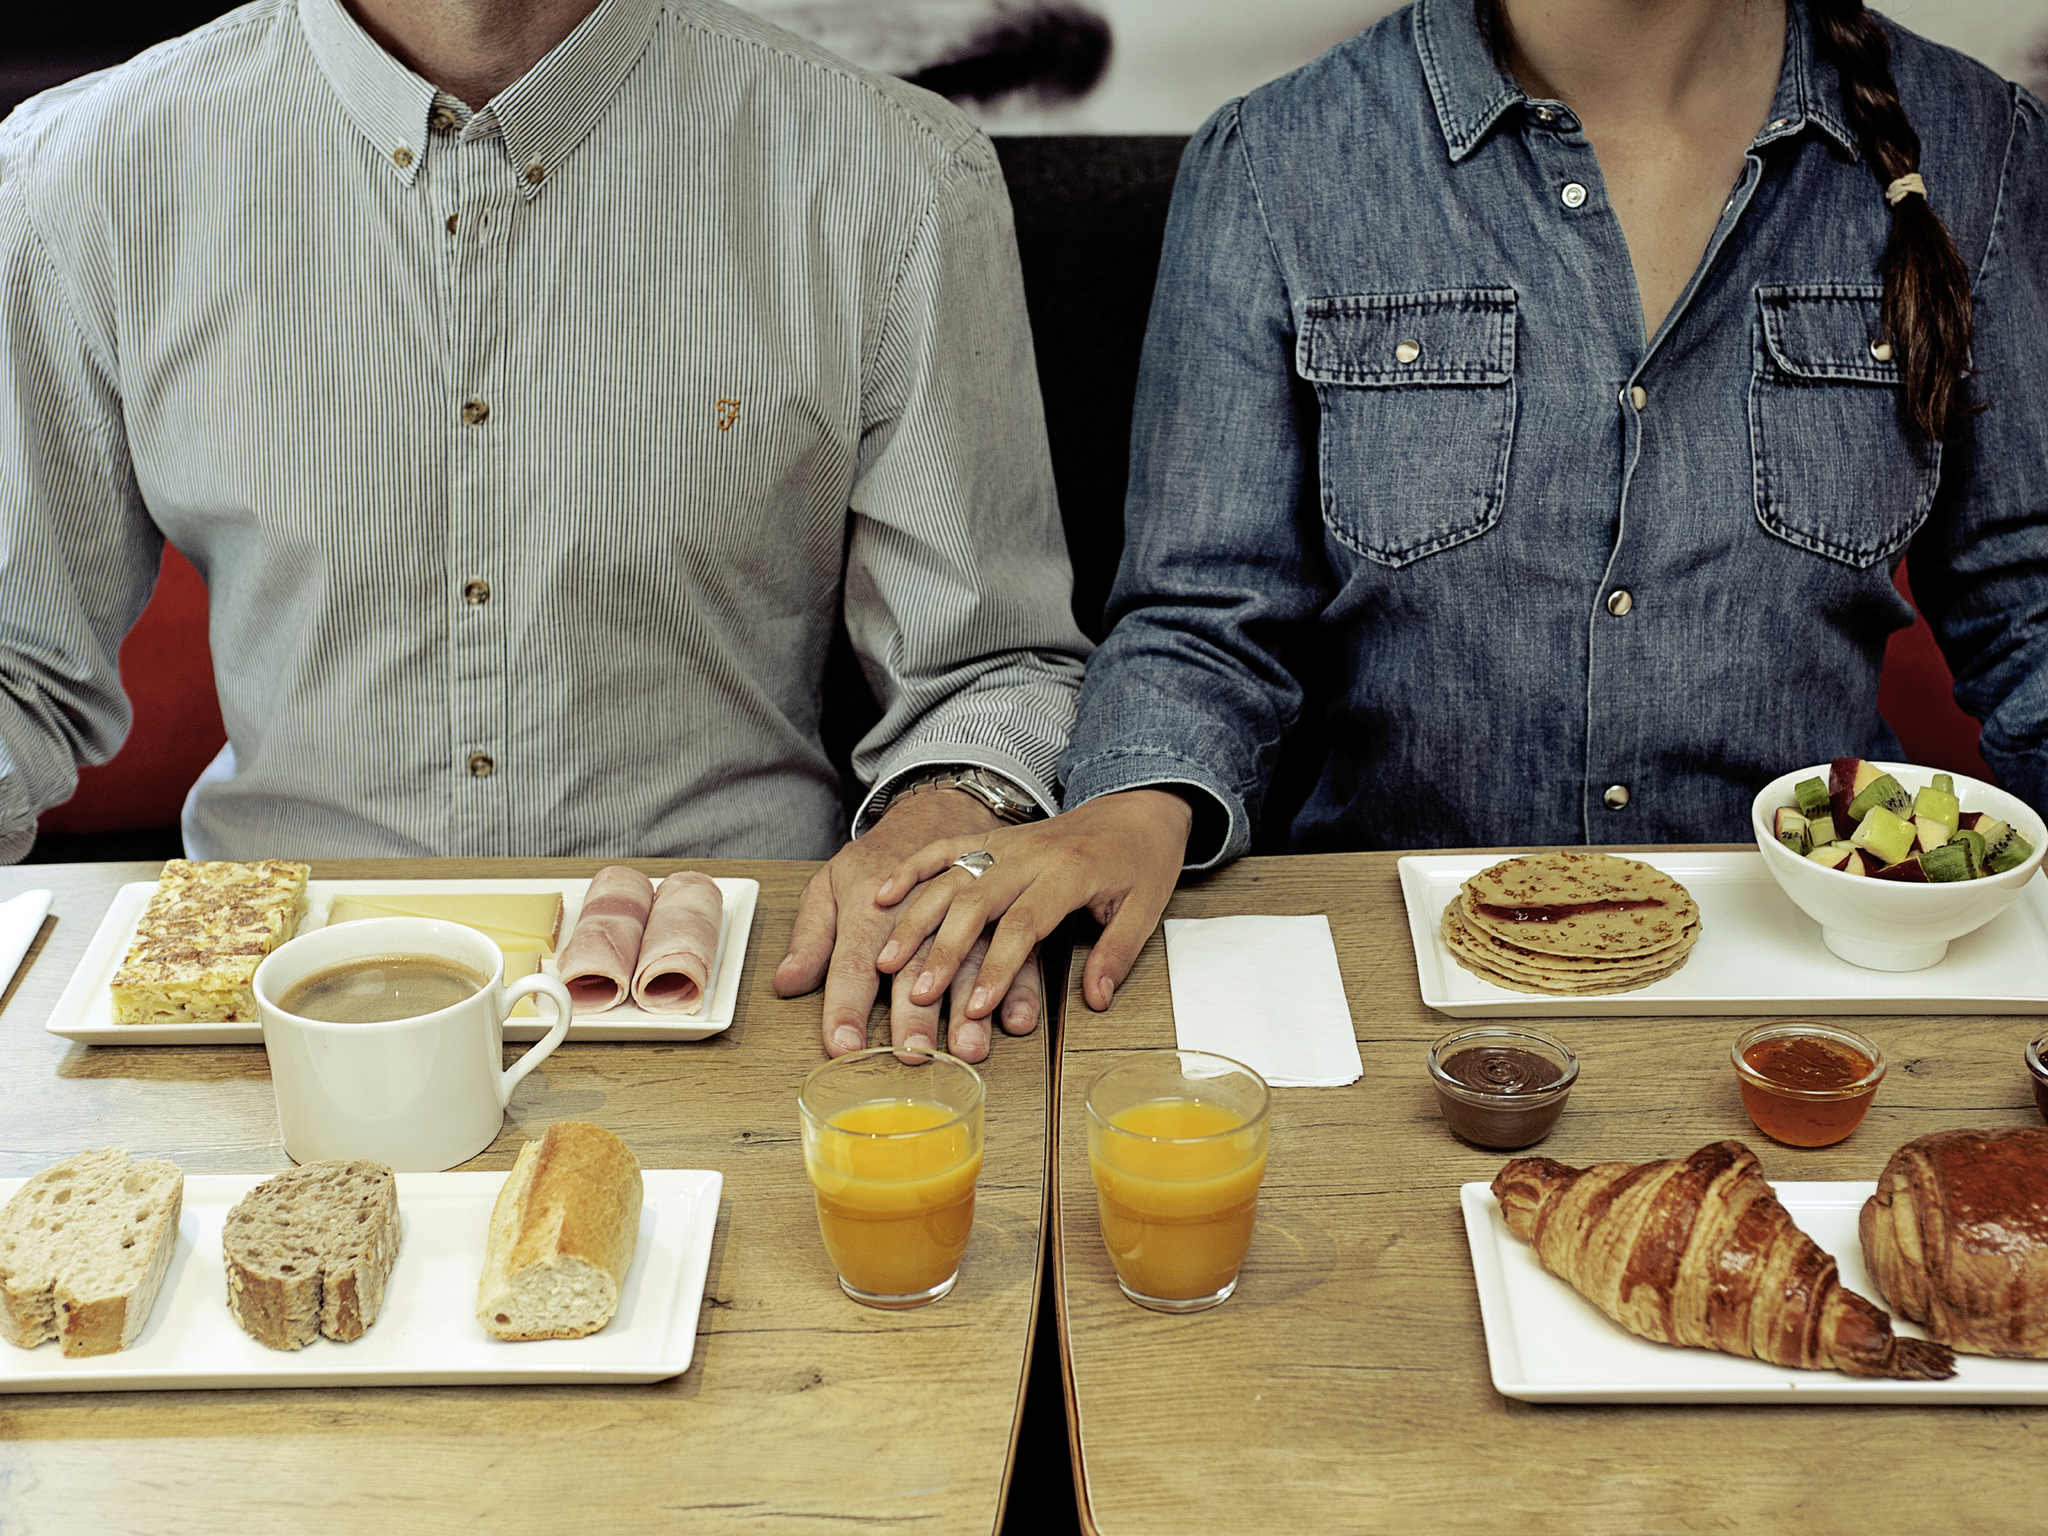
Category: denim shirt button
[1881,350]
[1618,603]
[1407,351]
[1638,396]
[1573,195]
[1616,797]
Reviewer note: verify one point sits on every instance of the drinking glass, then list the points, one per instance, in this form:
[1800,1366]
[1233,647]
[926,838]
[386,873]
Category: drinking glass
[1177,1144]
[892,1142]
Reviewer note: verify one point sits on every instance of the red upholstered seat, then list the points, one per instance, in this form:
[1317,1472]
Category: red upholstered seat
[167,667]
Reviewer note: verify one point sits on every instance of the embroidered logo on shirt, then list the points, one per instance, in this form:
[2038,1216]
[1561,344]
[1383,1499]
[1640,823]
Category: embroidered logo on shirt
[728,413]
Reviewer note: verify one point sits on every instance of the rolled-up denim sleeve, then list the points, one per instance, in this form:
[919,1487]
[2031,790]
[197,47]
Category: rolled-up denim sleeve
[959,594]
[1223,561]
[78,553]
[1980,569]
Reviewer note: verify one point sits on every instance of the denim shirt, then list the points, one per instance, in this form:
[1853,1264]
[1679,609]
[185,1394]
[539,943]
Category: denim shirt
[1429,545]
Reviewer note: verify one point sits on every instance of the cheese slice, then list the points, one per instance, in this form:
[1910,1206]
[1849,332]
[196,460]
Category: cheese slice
[511,919]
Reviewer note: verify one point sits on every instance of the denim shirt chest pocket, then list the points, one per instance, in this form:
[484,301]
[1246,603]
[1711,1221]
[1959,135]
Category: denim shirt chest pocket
[1835,471]
[1416,393]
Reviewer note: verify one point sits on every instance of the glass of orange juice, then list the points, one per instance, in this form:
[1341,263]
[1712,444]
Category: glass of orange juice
[892,1142]
[1177,1144]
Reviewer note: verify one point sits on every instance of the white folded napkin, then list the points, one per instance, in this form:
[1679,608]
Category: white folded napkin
[21,919]
[1264,991]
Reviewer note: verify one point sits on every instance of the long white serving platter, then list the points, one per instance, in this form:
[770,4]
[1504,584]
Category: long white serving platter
[428,1334]
[85,1011]
[1548,1344]
[1757,953]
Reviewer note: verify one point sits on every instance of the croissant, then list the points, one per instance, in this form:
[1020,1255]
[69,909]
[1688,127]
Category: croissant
[1698,1251]
[1957,1238]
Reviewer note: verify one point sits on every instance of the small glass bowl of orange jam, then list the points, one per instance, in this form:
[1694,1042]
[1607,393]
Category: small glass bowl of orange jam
[1806,1084]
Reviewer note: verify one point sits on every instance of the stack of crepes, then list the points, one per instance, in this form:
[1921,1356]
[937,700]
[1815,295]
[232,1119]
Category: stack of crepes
[1571,922]
[631,940]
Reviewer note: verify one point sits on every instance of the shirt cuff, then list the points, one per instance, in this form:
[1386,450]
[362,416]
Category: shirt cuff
[1222,829]
[929,757]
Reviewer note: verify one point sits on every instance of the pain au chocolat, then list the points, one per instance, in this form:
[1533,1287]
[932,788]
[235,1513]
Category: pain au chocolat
[1956,1237]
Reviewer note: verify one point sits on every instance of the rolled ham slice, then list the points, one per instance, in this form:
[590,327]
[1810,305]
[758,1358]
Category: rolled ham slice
[679,945]
[597,963]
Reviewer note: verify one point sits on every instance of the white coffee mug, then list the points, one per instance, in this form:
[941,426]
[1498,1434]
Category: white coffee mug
[421,1094]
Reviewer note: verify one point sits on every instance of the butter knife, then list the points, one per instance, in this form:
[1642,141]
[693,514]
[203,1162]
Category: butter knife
[21,919]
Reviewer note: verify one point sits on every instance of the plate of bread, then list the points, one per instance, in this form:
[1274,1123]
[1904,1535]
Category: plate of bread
[1694,1279]
[123,1273]
[173,959]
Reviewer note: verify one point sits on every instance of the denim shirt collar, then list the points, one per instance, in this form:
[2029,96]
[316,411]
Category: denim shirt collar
[542,116]
[1471,90]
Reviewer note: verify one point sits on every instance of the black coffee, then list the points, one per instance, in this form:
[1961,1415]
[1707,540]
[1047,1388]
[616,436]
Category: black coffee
[381,987]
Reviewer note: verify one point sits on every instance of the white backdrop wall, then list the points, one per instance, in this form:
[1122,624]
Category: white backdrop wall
[1170,62]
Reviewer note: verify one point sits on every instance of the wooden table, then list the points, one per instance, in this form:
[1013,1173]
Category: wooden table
[800,1411]
[1345,1386]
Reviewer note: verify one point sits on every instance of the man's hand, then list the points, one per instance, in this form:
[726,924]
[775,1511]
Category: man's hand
[839,930]
[1118,856]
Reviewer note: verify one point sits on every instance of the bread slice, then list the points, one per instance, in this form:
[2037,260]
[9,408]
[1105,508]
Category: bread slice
[309,1251]
[562,1236]
[84,1247]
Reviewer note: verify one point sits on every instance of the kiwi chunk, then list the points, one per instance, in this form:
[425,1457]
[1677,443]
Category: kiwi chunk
[1884,790]
[1971,841]
[1812,795]
[1945,782]
[1949,862]
[2010,854]
[1820,831]
[1790,828]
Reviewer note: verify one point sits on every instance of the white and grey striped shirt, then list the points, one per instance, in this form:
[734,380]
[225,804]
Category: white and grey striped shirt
[531,456]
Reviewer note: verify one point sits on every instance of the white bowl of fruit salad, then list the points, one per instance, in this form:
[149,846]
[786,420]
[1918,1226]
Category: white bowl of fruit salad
[1894,861]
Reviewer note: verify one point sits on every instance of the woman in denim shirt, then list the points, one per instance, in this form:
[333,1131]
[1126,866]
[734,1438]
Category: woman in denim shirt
[1484,492]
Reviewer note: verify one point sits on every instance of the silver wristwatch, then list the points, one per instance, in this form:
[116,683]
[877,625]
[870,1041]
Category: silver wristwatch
[1004,799]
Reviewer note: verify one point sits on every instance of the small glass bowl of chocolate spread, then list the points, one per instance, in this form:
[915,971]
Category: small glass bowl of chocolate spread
[2037,1069]
[1500,1087]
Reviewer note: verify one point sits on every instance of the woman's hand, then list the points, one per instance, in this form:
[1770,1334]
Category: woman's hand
[1118,855]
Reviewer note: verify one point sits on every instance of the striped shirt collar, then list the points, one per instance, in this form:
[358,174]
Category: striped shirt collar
[542,116]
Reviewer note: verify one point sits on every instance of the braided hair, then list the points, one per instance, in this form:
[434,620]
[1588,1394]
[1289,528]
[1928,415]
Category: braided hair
[1926,312]
[1926,286]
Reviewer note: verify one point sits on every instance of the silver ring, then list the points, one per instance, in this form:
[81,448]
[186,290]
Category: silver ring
[977,863]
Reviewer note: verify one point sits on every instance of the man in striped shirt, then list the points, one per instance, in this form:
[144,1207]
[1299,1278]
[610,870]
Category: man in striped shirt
[539,385]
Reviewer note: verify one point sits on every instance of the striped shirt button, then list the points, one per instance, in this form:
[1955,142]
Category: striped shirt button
[401,157]
[443,120]
[475,413]
[476,593]
[481,766]
[451,223]
[535,174]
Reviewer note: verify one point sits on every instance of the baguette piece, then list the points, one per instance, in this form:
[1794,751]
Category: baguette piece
[308,1252]
[562,1236]
[84,1247]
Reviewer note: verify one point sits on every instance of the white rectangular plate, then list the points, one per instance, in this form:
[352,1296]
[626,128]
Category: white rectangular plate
[1547,1343]
[1757,953]
[427,1335]
[86,1011]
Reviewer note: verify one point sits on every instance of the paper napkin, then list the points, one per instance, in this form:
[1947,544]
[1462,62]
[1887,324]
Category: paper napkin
[1264,991]
[21,919]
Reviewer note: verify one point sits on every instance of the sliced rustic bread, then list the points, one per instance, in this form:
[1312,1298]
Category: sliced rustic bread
[84,1247]
[309,1251]
[561,1237]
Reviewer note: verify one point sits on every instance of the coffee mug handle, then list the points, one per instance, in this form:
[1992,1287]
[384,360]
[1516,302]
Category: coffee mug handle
[538,1052]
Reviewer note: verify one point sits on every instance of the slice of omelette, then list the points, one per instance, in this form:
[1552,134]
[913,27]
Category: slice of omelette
[201,937]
